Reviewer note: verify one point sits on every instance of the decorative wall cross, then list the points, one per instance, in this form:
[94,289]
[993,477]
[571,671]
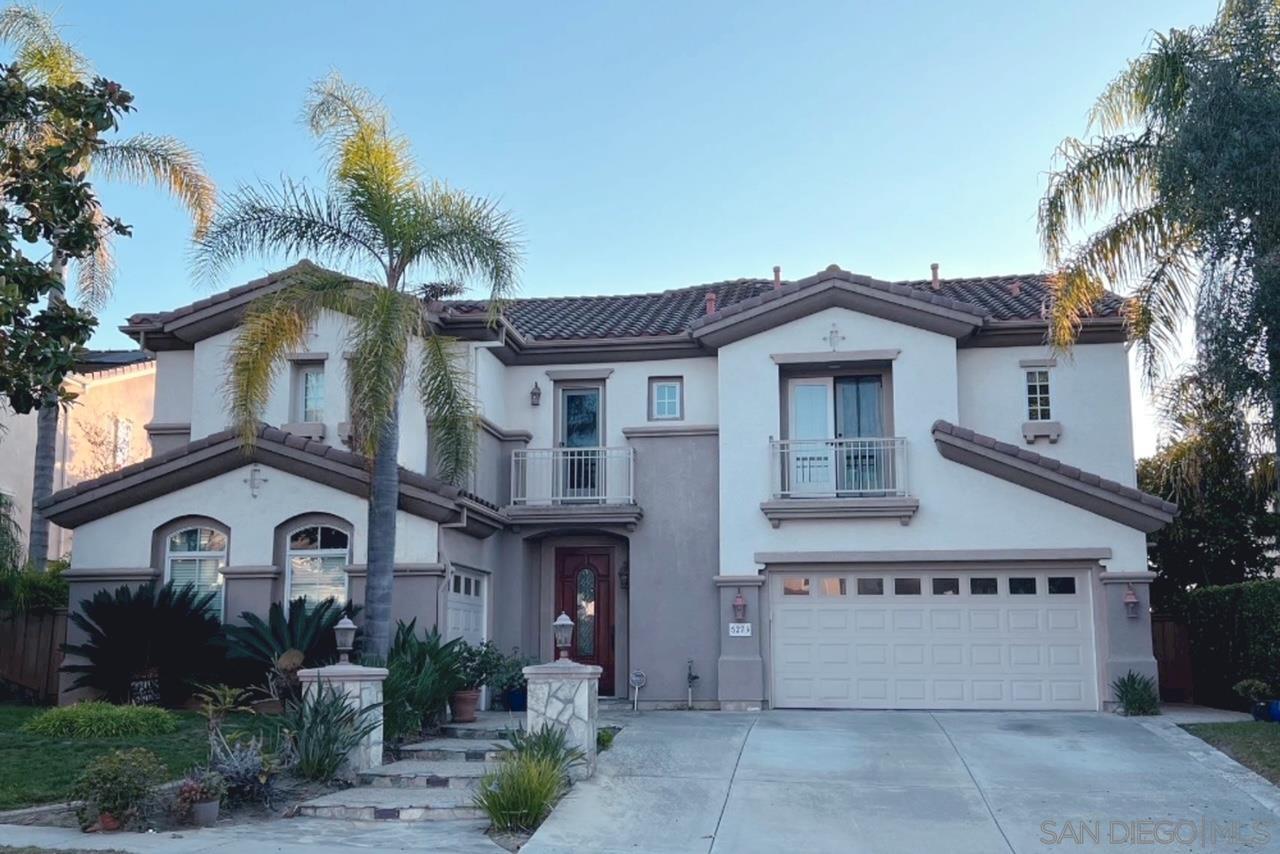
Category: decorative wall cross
[255,480]
[834,338]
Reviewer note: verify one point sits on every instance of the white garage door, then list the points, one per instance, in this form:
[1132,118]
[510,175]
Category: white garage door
[933,640]
[466,606]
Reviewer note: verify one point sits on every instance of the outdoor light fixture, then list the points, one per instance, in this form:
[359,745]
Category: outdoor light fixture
[1130,602]
[535,394]
[562,628]
[739,608]
[345,633]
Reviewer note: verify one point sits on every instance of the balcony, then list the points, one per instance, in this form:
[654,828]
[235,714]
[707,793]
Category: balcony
[839,479]
[579,485]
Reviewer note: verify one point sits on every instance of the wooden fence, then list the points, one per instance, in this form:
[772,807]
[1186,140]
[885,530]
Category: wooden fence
[31,651]
[1171,643]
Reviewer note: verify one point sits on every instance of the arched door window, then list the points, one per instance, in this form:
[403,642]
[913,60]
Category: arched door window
[317,557]
[197,556]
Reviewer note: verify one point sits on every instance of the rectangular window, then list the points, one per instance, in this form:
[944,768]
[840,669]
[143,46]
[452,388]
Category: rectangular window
[1038,395]
[833,587]
[983,586]
[318,578]
[1061,585]
[870,586]
[795,587]
[946,587]
[308,391]
[906,587]
[666,398]
[1022,587]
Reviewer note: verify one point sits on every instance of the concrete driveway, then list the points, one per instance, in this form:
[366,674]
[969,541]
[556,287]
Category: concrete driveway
[895,782]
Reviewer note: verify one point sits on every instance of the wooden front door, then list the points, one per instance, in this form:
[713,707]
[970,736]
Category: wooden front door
[584,591]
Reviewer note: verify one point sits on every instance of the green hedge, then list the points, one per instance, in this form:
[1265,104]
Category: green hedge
[1235,634]
[95,719]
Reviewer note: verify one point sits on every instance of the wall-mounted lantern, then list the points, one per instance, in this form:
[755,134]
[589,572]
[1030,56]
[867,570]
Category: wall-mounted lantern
[1130,602]
[739,608]
[345,635]
[562,630]
[535,394]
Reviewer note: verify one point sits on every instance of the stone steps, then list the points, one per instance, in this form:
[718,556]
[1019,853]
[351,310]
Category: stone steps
[421,774]
[379,803]
[455,750]
[487,725]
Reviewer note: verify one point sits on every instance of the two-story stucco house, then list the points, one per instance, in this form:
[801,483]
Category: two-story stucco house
[832,492]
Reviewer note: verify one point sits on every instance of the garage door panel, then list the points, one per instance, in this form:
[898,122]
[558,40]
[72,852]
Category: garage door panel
[903,644]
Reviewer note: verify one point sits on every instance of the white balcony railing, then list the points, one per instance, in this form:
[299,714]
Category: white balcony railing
[839,468]
[551,476]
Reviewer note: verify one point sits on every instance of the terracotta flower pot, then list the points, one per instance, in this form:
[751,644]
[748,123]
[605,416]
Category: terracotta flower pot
[107,822]
[463,705]
[204,814]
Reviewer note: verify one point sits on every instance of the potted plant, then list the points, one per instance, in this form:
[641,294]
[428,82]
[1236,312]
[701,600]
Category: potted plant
[117,789]
[510,683]
[477,666]
[1259,695]
[200,795]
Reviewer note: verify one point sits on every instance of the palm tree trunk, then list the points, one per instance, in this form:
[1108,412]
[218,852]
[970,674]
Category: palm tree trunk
[46,453]
[384,493]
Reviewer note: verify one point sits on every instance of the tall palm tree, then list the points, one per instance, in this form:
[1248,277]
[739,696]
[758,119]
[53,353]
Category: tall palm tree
[43,56]
[406,235]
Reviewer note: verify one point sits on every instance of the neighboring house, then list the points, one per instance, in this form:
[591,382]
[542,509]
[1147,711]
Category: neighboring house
[103,430]
[834,492]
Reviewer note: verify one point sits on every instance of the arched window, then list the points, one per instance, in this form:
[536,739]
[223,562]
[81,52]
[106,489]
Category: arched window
[197,556]
[316,559]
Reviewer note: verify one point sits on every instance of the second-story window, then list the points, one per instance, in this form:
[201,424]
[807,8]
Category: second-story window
[309,391]
[666,398]
[1038,395]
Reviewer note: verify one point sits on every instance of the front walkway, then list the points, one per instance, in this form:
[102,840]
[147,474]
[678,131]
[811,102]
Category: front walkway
[893,782]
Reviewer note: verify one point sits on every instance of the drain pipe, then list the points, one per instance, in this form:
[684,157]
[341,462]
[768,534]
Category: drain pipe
[691,677]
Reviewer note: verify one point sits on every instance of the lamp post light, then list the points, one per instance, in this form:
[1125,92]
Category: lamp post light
[345,634]
[562,629]
[1131,602]
[739,609]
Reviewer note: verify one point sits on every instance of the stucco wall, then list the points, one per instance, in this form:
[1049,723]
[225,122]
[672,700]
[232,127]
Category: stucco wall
[175,376]
[17,461]
[959,508]
[1089,396]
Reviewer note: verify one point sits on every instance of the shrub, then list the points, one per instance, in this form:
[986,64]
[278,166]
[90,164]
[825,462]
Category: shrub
[1137,694]
[200,786]
[284,643]
[521,793]
[548,743]
[421,676]
[1253,690]
[95,719]
[324,728]
[168,630]
[478,664]
[121,784]
[248,766]
[1234,632]
[604,739]
[510,675]
[31,590]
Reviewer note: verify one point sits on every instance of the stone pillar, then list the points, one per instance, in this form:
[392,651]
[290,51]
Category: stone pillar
[363,688]
[1128,639]
[740,670]
[565,695]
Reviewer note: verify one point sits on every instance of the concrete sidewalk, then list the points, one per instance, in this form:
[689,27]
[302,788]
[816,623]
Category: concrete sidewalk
[894,782]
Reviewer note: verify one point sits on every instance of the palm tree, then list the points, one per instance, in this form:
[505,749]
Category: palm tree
[43,56]
[378,215]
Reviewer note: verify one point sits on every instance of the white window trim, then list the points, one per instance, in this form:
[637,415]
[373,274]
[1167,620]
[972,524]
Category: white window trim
[1028,407]
[654,382]
[170,555]
[299,398]
[289,553]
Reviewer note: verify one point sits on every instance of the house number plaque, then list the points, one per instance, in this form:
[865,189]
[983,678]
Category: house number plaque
[739,630]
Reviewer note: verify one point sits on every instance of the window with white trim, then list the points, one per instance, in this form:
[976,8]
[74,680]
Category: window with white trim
[308,383]
[317,557]
[1038,395]
[666,398]
[197,556]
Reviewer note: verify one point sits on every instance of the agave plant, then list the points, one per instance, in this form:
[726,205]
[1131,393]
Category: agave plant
[422,673]
[307,630]
[168,630]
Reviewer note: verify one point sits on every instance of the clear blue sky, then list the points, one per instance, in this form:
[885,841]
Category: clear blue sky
[644,145]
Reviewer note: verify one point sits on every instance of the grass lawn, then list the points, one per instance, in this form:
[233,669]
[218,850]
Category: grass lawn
[1254,744]
[36,770]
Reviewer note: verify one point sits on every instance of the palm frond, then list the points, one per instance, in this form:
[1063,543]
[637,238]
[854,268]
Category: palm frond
[12,549]
[96,274]
[1116,172]
[292,220]
[444,385]
[276,324]
[42,53]
[465,238]
[1151,89]
[384,324]
[164,162]
[1155,310]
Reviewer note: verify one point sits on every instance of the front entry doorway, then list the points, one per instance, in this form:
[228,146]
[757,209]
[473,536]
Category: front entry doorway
[584,591]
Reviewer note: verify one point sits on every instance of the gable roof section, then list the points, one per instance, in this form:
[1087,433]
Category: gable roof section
[1054,478]
[223,452]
